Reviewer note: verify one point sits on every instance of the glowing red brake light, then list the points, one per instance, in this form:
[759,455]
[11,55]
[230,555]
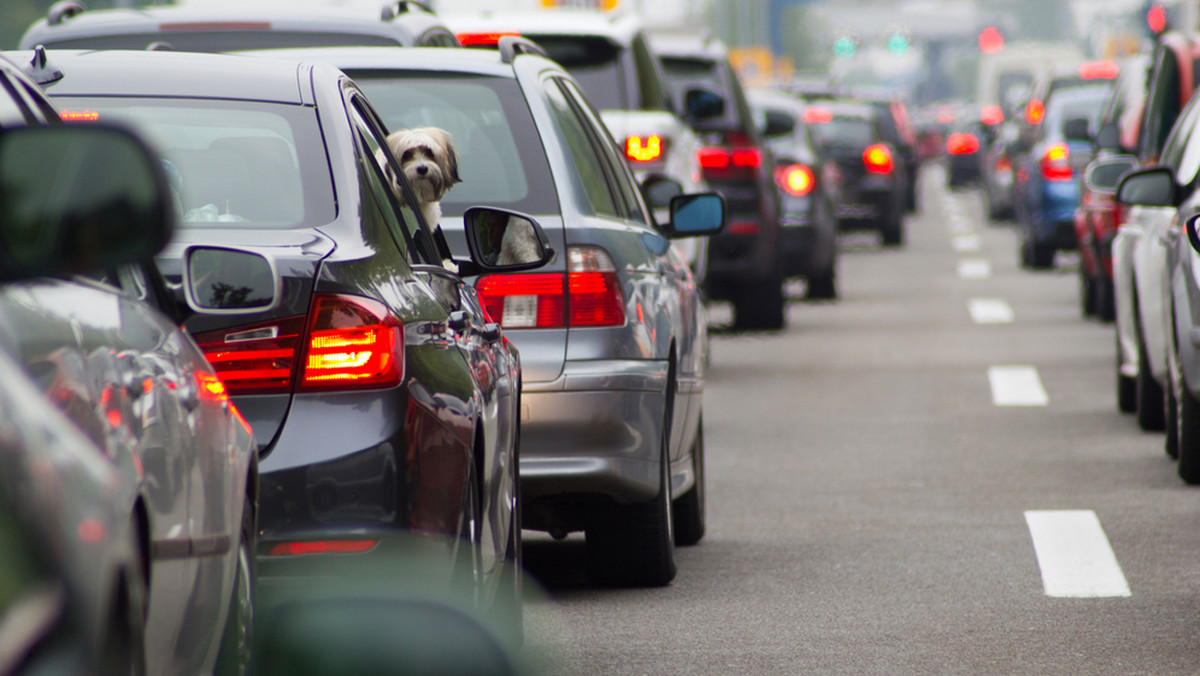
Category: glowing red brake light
[1099,70]
[256,358]
[746,158]
[1055,163]
[1034,112]
[353,343]
[588,295]
[714,158]
[79,115]
[795,179]
[644,149]
[322,547]
[991,115]
[483,39]
[962,144]
[818,116]
[878,159]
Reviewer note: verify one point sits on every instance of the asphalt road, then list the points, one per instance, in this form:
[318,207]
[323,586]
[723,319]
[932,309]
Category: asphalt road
[873,509]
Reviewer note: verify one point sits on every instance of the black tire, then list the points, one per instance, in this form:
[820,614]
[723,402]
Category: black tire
[892,229]
[760,306]
[689,508]
[1171,442]
[233,658]
[823,286]
[509,606]
[1150,414]
[1087,293]
[123,648]
[1189,436]
[1106,299]
[634,545]
[1041,256]
[1126,386]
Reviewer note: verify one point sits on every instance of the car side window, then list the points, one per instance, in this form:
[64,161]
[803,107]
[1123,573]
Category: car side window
[629,204]
[396,202]
[588,166]
[1182,153]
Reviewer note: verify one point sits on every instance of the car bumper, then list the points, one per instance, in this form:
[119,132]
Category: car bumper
[1059,201]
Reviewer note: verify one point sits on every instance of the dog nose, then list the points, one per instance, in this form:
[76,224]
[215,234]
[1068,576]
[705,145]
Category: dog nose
[422,170]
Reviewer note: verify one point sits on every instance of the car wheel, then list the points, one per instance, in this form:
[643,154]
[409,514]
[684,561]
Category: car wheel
[689,508]
[1189,436]
[1041,256]
[823,286]
[1087,292]
[1149,393]
[233,658]
[509,608]
[123,647]
[892,229]
[760,306]
[634,545]
[1126,386]
[1171,406]
[1106,299]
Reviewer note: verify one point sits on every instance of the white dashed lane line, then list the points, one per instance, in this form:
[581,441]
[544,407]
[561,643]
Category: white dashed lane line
[966,243]
[974,268]
[1017,386]
[990,311]
[1074,555]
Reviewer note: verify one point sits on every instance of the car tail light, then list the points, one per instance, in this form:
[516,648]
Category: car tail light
[991,115]
[795,179]
[1003,163]
[589,294]
[1056,164]
[483,39]
[1099,70]
[645,148]
[350,343]
[1034,112]
[818,116]
[962,144]
[321,547]
[353,343]
[878,159]
[730,162]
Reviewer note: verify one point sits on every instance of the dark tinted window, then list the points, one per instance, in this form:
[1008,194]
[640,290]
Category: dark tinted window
[228,41]
[1163,108]
[500,156]
[849,131]
[231,161]
[586,167]
[594,63]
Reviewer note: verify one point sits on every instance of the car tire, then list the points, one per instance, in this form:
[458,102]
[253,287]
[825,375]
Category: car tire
[1149,393]
[688,509]
[1126,385]
[760,306]
[892,229]
[1171,406]
[1106,299]
[509,608]
[822,286]
[233,657]
[1189,436]
[122,650]
[1087,293]
[634,545]
[1041,256]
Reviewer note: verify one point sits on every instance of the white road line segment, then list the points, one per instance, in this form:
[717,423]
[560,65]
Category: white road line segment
[966,243]
[990,311]
[1017,386]
[1074,555]
[974,268]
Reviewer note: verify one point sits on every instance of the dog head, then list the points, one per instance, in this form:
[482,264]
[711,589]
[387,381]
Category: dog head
[428,159]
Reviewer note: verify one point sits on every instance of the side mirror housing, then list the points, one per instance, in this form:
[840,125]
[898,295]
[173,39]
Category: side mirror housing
[702,103]
[79,199]
[696,214]
[1076,129]
[226,281]
[503,241]
[1102,175]
[1152,187]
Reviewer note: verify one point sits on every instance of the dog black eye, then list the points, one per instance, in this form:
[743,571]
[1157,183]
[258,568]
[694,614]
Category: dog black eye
[406,156]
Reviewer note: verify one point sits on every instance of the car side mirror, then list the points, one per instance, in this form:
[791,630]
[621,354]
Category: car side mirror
[702,103]
[503,241]
[696,214]
[1108,137]
[79,199]
[1102,175]
[1076,129]
[225,281]
[778,123]
[1189,227]
[1152,187]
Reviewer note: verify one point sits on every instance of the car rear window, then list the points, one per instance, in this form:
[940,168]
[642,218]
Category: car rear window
[1079,102]
[263,164]
[595,64]
[845,131]
[500,156]
[214,42]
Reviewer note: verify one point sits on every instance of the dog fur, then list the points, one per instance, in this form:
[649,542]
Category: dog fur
[429,161]
[519,244]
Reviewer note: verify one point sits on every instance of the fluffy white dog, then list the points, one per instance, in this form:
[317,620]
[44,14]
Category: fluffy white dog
[429,161]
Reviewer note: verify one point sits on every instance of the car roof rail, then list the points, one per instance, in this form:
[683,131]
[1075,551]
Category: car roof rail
[394,9]
[512,45]
[41,69]
[63,10]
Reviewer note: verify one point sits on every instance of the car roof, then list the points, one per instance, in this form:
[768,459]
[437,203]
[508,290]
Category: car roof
[182,74]
[698,46]
[166,20]
[620,27]
[481,61]
[843,108]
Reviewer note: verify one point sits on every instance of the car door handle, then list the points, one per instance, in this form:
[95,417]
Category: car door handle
[459,320]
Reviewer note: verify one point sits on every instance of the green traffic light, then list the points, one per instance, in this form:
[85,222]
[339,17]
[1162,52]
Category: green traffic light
[897,43]
[844,47]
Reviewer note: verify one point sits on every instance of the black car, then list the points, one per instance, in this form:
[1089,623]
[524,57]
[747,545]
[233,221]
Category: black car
[874,186]
[745,265]
[964,147]
[807,185]
[384,399]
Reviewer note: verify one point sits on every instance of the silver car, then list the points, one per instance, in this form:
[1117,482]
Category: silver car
[612,331]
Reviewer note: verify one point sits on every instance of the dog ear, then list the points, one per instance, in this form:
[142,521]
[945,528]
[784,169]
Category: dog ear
[443,137]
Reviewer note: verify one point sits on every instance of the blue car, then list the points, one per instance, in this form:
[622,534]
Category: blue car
[1057,150]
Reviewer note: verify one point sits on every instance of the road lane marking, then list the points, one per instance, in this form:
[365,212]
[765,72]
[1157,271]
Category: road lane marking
[1074,555]
[959,226]
[990,311]
[974,268]
[967,243]
[1017,386]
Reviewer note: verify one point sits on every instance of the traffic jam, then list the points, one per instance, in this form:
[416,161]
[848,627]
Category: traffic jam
[549,337]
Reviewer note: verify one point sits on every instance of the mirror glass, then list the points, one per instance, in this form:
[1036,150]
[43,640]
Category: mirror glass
[227,279]
[1103,175]
[505,239]
[703,213]
[76,199]
[1154,187]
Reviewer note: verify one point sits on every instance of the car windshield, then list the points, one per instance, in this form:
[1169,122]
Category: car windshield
[229,161]
[499,150]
